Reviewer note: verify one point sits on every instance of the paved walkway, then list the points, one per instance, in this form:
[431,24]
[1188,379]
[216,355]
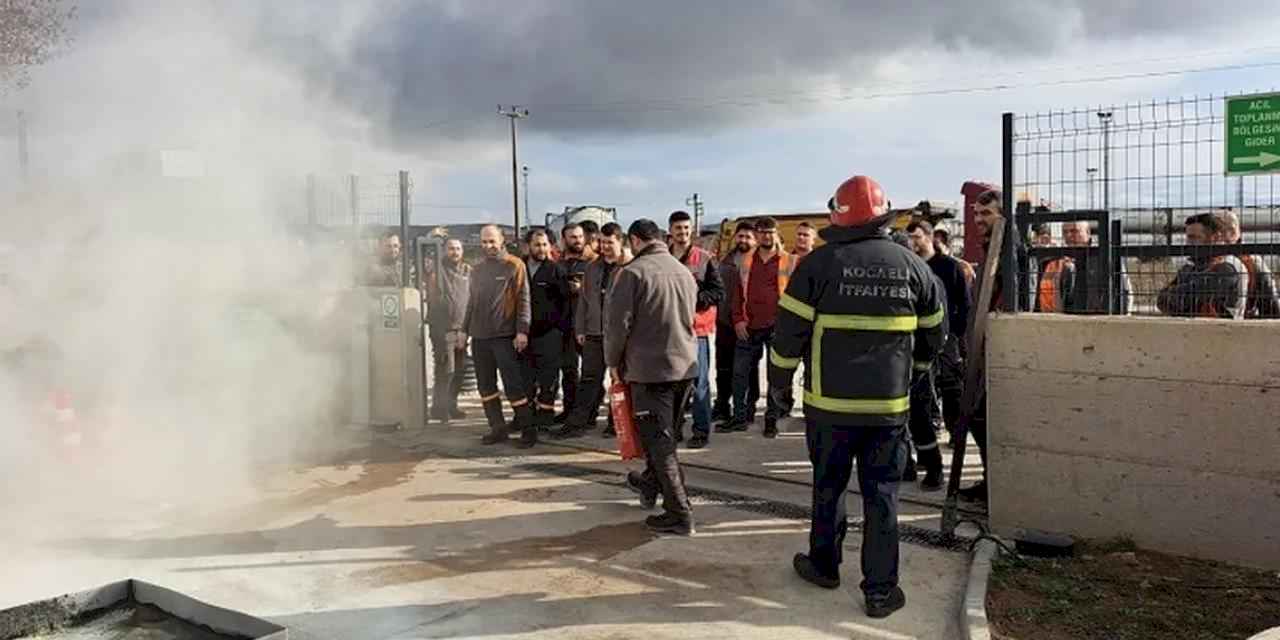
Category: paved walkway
[428,535]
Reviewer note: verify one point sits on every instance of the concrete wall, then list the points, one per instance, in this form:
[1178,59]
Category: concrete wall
[1164,430]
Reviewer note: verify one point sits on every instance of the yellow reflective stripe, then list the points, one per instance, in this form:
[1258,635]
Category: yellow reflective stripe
[932,320]
[795,306]
[921,366]
[868,323]
[488,398]
[887,406]
[785,363]
[815,359]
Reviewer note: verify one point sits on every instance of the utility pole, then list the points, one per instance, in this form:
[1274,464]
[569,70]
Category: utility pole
[524,171]
[514,113]
[1105,117]
[697,214]
[23,160]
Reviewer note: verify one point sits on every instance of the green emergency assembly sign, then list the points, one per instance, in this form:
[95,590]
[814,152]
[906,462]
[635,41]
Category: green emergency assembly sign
[1252,140]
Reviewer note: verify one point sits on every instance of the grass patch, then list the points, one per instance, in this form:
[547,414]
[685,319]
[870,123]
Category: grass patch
[1113,590]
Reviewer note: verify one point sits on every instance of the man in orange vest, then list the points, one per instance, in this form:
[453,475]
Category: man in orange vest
[706,273]
[754,315]
[1211,286]
[1262,301]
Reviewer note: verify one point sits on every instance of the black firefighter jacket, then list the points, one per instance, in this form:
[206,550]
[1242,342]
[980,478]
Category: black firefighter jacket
[859,311]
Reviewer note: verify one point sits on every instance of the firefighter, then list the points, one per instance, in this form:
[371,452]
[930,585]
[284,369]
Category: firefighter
[548,304]
[858,311]
[497,321]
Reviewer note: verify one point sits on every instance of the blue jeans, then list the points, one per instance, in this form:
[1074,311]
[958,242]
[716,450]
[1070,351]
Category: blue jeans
[746,369]
[700,399]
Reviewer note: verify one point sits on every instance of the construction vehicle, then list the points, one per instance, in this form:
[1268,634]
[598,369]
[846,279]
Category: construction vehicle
[930,210]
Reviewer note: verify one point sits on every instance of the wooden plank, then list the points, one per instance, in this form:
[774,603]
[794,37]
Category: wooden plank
[973,380]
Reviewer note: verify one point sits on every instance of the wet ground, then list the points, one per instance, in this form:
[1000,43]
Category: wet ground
[429,535]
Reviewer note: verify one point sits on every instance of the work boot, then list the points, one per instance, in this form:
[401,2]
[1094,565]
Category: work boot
[560,417]
[931,459]
[976,493]
[733,426]
[805,567]
[670,523]
[497,425]
[720,414]
[909,473]
[527,422]
[698,441]
[648,497]
[569,431]
[770,427]
[882,605]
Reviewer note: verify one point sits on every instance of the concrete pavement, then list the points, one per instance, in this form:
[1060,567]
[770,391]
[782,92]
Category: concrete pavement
[428,535]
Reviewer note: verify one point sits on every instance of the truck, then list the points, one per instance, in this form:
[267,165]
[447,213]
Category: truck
[597,214]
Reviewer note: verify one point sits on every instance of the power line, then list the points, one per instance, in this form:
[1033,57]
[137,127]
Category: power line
[991,88]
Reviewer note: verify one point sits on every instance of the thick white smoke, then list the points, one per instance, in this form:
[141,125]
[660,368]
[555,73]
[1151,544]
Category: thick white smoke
[148,268]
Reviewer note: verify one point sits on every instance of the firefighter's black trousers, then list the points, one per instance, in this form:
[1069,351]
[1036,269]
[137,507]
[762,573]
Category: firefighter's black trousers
[881,455]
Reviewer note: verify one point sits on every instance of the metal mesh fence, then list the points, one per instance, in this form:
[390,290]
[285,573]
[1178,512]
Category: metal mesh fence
[1104,197]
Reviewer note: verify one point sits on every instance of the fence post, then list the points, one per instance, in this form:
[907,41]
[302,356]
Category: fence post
[1106,261]
[404,228]
[1116,269]
[1008,257]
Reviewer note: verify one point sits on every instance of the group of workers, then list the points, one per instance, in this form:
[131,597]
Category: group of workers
[878,319]
[873,319]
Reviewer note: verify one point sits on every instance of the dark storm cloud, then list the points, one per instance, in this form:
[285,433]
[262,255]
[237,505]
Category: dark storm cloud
[587,67]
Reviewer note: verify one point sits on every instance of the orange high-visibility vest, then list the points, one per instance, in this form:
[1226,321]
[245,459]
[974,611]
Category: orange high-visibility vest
[1048,293]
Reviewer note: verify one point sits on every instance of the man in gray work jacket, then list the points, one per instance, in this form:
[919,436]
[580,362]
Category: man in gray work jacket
[649,342]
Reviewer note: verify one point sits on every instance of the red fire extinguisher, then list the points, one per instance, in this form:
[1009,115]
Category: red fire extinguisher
[624,421]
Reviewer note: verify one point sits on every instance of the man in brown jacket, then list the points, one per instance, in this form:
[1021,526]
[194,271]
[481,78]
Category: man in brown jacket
[498,322]
[588,324]
[649,342]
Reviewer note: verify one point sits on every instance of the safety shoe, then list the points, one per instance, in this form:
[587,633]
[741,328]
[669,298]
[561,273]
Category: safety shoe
[976,493]
[493,437]
[569,431]
[881,605]
[932,480]
[805,567]
[733,426]
[635,483]
[770,427]
[670,523]
[697,442]
[559,418]
[528,438]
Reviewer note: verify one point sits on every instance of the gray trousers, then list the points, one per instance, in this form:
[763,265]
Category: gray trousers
[590,385]
[449,357]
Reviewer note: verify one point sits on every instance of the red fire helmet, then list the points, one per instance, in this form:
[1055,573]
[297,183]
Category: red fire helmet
[857,201]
